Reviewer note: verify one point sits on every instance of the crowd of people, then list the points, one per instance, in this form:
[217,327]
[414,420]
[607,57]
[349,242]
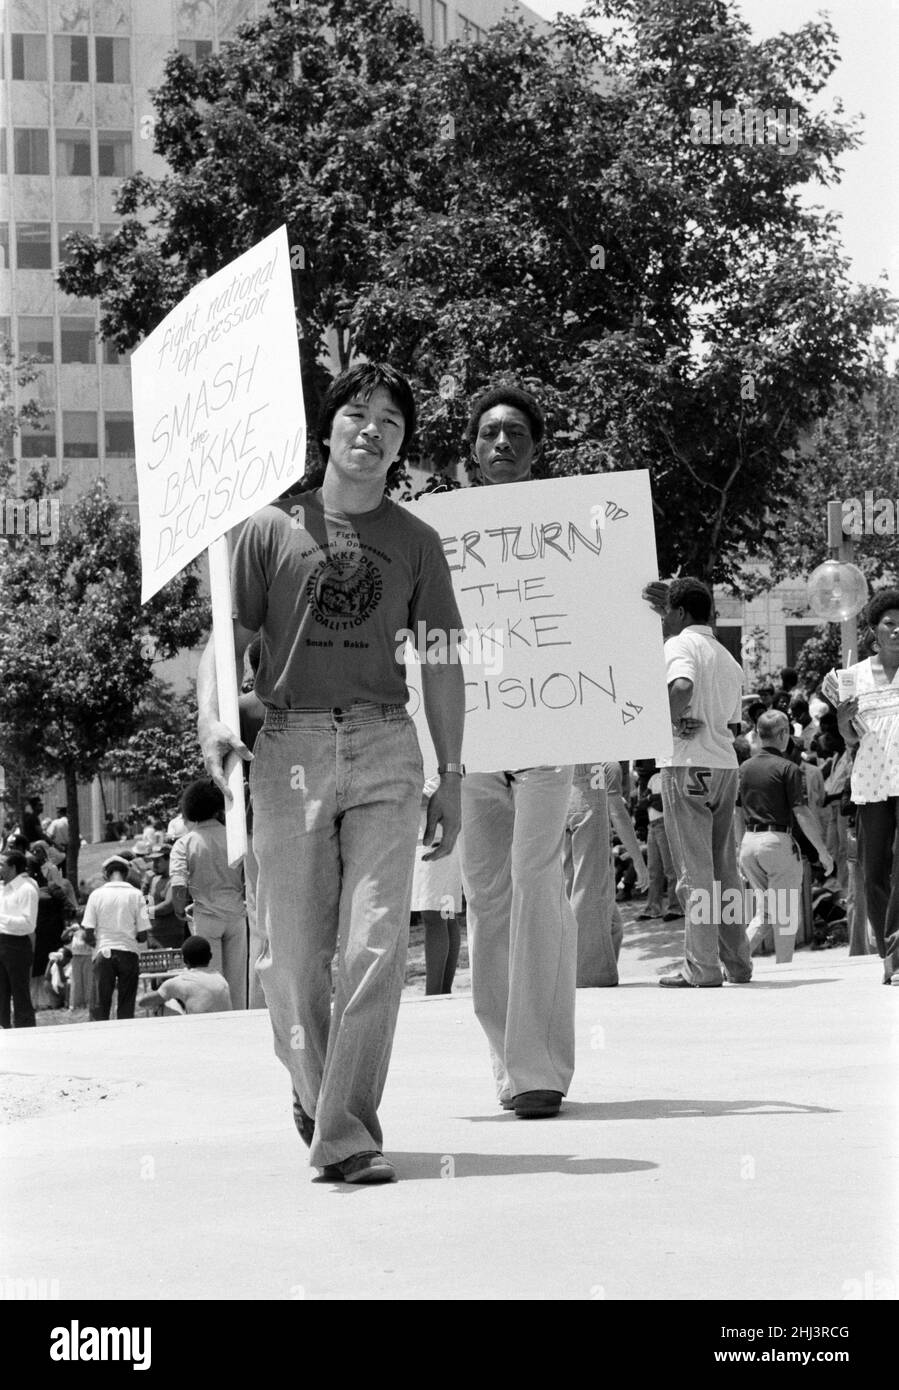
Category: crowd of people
[771,812]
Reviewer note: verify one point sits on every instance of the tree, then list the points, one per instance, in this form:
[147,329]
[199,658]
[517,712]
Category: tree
[853,451]
[535,207]
[162,755]
[819,654]
[77,647]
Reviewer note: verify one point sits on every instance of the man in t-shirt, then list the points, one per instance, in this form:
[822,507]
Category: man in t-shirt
[115,924]
[772,793]
[199,989]
[699,790]
[332,578]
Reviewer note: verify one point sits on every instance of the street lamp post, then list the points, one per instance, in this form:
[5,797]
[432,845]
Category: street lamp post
[843,550]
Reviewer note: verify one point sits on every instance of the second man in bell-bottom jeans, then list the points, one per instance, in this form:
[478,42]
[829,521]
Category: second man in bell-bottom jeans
[522,930]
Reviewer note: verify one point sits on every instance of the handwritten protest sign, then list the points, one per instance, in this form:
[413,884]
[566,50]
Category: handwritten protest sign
[563,659]
[219,425]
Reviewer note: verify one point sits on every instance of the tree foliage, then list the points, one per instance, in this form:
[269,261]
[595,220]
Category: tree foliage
[162,755]
[76,645]
[531,207]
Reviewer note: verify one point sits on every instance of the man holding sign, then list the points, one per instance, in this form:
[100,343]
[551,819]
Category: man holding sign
[328,578]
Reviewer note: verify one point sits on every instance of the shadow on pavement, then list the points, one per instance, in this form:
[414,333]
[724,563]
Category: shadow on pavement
[478,1165]
[662,1110]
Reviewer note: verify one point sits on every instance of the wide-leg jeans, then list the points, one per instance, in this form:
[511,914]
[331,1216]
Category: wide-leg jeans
[336,804]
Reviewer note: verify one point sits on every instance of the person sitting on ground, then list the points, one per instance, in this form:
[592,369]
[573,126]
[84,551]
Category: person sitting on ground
[199,989]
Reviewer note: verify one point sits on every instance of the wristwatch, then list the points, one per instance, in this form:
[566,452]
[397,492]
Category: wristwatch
[458,768]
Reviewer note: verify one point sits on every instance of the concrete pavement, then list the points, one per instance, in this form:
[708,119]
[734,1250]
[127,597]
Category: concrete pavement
[736,1143]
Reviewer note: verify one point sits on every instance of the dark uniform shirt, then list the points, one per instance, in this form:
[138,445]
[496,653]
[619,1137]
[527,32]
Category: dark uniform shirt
[770,786]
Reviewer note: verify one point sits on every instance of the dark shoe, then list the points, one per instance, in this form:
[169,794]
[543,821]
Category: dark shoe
[671,916]
[537,1105]
[646,916]
[508,1104]
[674,982]
[304,1123]
[368,1167]
[331,1173]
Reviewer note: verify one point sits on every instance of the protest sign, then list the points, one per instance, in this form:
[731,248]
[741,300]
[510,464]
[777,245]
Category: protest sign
[219,425]
[563,659]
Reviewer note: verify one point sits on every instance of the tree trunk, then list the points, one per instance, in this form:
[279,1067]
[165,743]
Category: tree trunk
[74,827]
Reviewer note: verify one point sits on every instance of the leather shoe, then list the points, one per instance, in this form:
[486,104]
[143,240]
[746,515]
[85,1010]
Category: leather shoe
[674,982]
[369,1167]
[537,1105]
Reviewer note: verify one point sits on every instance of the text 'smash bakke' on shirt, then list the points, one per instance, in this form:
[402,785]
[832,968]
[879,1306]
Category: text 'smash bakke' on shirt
[330,593]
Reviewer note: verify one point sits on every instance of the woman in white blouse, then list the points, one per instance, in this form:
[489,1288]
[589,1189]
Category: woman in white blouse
[871,720]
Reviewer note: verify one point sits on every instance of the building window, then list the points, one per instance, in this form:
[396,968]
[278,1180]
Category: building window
[113,60]
[33,246]
[731,639]
[32,151]
[108,230]
[66,229]
[197,50]
[797,634]
[5,333]
[2,151]
[38,440]
[119,428]
[114,157]
[78,338]
[36,337]
[111,357]
[70,58]
[4,245]
[73,152]
[79,434]
[29,57]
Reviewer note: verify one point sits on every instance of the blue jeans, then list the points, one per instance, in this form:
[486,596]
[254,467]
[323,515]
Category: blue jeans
[336,805]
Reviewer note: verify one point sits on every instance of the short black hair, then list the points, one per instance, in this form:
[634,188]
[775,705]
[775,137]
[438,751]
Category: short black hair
[196,951]
[362,380]
[17,843]
[507,395]
[15,859]
[881,603]
[692,595]
[201,800]
[758,707]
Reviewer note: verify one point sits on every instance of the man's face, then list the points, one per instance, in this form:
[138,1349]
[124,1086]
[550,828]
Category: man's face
[504,450]
[674,622]
[7,871]
[887,633]
[766,694]
[366,437]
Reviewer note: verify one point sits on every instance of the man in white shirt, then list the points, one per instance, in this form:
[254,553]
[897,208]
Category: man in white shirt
[699,791]
[18,924]
[116,924]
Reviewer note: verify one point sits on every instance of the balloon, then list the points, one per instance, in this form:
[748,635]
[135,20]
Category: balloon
[837,591]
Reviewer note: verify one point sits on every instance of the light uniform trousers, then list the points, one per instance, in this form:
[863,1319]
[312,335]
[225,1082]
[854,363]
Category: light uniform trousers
[590,884]
[771,861]
[699,811]
[227,937]
[522,930]
[660,867]
[255,993]
[336,806]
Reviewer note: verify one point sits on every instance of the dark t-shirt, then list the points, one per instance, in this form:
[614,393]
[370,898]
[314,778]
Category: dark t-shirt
[332,595]
[770,786]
